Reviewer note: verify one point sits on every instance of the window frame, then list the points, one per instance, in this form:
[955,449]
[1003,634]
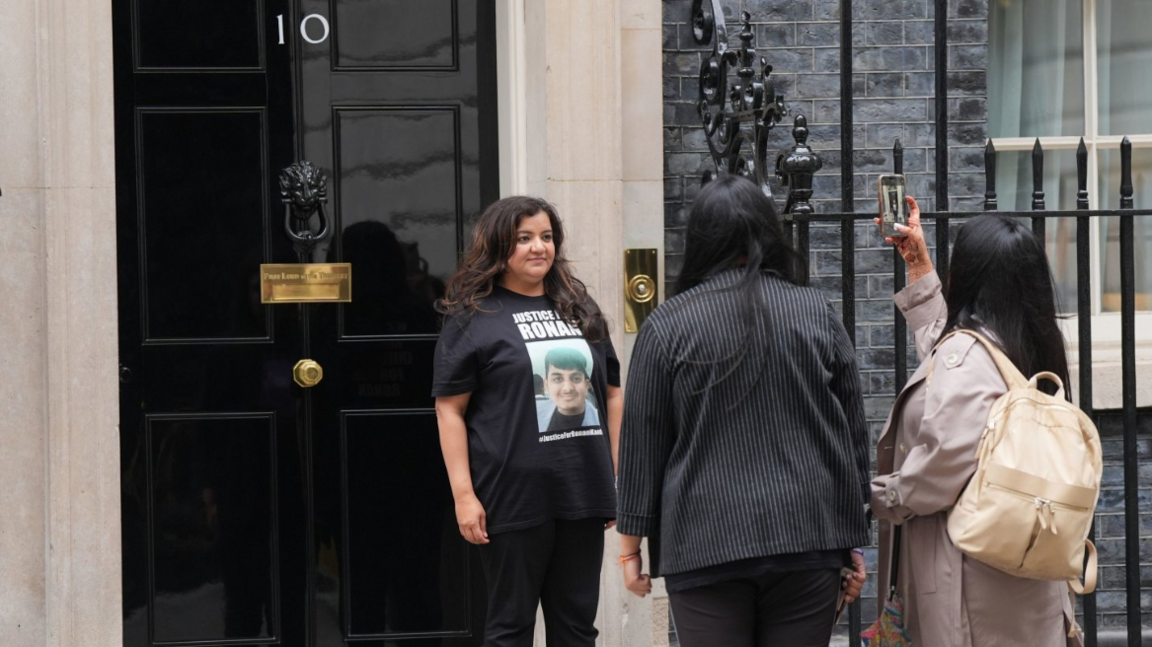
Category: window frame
[1105,325]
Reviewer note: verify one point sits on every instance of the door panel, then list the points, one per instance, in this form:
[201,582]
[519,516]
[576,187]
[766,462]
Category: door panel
[214,537]
[416,34]
[207,34]
[398,173]
[405,556]
[203,224]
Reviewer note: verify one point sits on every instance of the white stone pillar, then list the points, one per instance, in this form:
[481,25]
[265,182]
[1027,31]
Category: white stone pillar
[642,111]
[60,466]
[591,96]
[23,391]
[642,119]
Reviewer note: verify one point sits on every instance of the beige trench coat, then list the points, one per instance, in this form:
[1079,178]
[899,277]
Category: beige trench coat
[924,462]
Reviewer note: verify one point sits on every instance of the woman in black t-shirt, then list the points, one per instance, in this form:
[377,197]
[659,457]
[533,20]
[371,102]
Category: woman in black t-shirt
[528,401]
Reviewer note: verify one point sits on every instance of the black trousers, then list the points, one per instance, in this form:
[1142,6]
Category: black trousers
[555,565]
[770,610]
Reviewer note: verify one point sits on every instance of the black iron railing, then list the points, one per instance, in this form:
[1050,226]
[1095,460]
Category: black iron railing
[797,224]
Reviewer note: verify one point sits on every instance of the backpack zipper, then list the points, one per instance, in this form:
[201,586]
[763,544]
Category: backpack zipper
[1045,510]
[991,426]
[1035,499]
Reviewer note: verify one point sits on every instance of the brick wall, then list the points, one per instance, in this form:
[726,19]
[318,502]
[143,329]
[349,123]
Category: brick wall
[1110,598]
[893,92]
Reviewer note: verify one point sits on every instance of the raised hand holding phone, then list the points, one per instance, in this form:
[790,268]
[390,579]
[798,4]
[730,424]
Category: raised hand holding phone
[910,241]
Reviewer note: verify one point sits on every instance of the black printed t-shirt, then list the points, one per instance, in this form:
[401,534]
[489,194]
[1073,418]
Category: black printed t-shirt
[538,441]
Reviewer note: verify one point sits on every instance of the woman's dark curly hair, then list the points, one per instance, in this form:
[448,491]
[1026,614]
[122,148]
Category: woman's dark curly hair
[493,241]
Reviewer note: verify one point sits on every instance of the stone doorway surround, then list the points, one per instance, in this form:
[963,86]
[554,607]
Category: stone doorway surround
[581,125]
[60,457]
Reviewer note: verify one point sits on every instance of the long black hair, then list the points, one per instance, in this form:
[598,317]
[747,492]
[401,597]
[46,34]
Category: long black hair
[733,224]
[1001,281]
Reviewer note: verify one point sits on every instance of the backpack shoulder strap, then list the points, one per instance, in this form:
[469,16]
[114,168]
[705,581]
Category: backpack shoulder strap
[1089,584]
[1012,375]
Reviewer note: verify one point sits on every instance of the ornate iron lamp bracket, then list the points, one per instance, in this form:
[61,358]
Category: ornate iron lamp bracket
[304,192]
[737,114]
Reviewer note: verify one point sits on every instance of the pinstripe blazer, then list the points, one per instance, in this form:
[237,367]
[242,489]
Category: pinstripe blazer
[744,433]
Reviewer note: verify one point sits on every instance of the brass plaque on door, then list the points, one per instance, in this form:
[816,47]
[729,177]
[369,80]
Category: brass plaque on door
[641,288]
[306,283]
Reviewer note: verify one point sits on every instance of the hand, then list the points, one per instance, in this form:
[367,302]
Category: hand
[609,525]
[635,581]
[911,246]
[854,583]
[472,519]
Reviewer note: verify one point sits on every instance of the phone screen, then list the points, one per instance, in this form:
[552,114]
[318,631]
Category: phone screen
[893,209]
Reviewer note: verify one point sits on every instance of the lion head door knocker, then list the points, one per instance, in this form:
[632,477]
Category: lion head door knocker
[304,192]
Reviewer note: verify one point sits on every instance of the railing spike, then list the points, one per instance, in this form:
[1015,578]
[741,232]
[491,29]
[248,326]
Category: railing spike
[1126,173]
[990,203]
[1128,395]
[898,157]
[1082,176]
[1037,176]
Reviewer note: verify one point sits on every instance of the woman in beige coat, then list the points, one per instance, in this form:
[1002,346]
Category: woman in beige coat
[999,284]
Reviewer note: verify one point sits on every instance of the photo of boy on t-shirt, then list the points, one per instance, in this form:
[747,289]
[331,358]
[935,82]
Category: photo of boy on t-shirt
[567,401]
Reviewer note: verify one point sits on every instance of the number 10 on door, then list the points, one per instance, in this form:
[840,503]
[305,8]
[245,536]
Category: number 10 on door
[304,33]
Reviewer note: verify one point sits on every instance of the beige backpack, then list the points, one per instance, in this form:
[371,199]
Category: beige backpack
[1028,509]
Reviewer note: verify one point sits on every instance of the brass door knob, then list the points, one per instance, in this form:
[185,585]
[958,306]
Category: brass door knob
[307,373]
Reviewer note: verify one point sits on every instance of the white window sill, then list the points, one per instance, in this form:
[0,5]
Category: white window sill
[1107,359]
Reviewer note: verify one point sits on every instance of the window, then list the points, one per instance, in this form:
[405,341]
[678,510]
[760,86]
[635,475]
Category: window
[1059,70]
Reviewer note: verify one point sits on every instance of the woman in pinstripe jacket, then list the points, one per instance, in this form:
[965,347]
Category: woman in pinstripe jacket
[744,452]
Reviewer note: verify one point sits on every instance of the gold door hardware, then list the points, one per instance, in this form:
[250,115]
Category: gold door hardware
[306,283]
[307,373]
[641,290]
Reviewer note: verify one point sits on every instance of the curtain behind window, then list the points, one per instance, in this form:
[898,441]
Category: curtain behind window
[1124,59]
[1036,89]
[1036,68]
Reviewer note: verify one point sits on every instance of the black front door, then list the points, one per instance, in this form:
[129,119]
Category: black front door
[256,511]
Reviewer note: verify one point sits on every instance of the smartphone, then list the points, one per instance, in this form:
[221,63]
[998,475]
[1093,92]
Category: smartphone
[893,208]
[845,573]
